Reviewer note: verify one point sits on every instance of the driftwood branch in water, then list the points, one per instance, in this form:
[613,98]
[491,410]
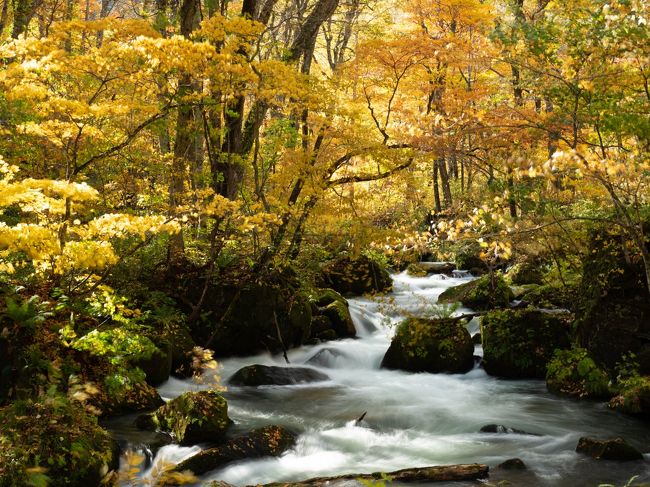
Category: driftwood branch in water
[361,417]
[447,473]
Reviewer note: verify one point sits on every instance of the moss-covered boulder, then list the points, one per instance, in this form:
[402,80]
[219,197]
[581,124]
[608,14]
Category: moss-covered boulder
[265,375]
[422,345]
[614,449]
[468,257]
[355,276]
[527,272]
[554,295]
[487,292]
[518,344]
[158,366]
[330,313]
[614,311]
[269,441]
[271,314]
[574,373]
[191,418]
[633,397]
[56,440]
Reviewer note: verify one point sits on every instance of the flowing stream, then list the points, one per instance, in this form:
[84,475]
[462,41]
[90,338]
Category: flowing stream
[413,420]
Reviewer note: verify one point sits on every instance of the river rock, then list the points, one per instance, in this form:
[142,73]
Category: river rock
[270,313]
[421,345]
[501,429]
[480,294]
[158,366]
[269,441]
[616,449]
[325,357]
[191,418]
[614,311]
[331,317]
[265,375]
[139,397]
[512,464]
[518,344]
[356,276]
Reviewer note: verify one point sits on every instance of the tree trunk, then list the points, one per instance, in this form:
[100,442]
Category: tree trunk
[444,180]
[447,473]
[4,15]
[24,11]
[184,142]
[436,188]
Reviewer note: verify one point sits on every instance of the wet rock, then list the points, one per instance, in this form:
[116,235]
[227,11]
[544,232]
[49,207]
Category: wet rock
[158,367]
[468,258]
[326,335]
[331,312]
[325,357]
[265,315]
[512,464]
[356,276]
[527,272]
[191,418]
[421,345]
[518,344]
[553,295]
[501,429]
[269,441]
[616,449]
[480,294]
[140,397]
[263,375]
[476,338]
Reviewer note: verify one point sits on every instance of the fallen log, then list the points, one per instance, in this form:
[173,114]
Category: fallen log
[446,473]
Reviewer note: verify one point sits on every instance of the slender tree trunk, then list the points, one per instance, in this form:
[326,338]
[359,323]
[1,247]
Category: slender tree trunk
[444,180]
[436,188]
[4,15]
[184,142]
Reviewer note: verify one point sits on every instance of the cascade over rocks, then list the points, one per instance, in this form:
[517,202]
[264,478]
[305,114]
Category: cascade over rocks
[480,294]
[356,275]
[269,441]
[265,375]
[191,418]
[518,343]
[439,345]
[616,449]
[614,314]
[325,357]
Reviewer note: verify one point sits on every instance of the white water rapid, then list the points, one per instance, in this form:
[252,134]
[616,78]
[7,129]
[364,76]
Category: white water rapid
[413,420]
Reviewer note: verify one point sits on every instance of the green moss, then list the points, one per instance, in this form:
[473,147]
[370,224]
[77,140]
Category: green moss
[422,345]
[551,295]
[192,417]
[480,294]
[325,296]
[574,373]
[633,397]
[53,441]
[519,343]
[355,276]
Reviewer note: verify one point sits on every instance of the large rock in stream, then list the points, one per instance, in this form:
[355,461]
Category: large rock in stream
[331,316]
[356,276]
[269,375]
[269,441]
[616,449]
[480,294]
[439,345]
[518,343]
[272,314]
[191,418]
